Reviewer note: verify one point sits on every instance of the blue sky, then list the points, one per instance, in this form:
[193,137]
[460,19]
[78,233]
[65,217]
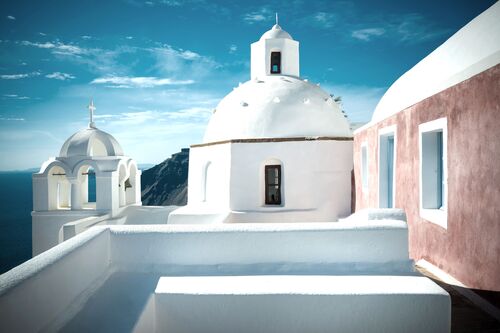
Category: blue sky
[156,69]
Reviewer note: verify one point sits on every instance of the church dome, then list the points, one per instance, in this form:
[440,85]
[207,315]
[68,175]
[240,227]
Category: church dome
[276,107]
[276,32]
[91,142]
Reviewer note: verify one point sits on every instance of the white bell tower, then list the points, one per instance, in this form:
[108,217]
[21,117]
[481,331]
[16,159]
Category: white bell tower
[276,53]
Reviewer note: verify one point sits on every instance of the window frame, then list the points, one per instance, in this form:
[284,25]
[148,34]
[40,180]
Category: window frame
[279,62]
[438,216]
[267,184]
[383,133]
[365,174]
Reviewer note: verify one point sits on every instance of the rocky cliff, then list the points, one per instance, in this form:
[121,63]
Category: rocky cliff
[166,183]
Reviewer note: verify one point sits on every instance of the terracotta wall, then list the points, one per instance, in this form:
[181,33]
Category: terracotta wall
[469,249]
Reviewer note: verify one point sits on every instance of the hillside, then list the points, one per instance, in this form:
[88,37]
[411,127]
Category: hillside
[166,183]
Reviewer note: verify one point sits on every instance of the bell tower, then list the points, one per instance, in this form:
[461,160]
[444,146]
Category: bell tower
[275,53]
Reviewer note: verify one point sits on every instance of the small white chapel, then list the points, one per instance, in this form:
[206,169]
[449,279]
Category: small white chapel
[276,149]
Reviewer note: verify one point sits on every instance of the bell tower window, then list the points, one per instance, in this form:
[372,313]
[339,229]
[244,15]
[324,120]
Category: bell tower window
[275,62]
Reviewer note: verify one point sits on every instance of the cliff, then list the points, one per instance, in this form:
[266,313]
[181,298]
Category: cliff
[166,183]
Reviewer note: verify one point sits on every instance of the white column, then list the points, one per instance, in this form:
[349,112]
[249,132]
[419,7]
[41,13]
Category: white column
[76,196]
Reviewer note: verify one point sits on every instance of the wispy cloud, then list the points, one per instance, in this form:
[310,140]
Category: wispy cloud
[60,76]
[15,96]
[138,82]
[233,48]
[323,20]
[19,76]
[174,62]
[368,33]
[260,15]
[98,60]
[409,28]
[58,47]
[416,28]
[11,119]
[10,17]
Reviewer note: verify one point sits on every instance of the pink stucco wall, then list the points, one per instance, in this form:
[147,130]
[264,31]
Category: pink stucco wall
[469,249]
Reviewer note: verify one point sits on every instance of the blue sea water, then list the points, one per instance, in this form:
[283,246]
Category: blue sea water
[16,203]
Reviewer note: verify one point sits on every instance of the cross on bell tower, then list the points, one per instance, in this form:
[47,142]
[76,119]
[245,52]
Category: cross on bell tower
[91,108]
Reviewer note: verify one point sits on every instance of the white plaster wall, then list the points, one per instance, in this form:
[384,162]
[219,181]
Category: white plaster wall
[301,304]
[219,157]
[45,290]
[316,181]
[251,248]
[47,227]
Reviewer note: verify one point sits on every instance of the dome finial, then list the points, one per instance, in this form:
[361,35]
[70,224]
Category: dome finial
[277,18]
[91,108]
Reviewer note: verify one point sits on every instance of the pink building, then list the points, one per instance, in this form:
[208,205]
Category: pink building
[433,149]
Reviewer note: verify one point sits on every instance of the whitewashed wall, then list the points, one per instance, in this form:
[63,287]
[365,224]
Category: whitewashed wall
[52,288]
[316,182]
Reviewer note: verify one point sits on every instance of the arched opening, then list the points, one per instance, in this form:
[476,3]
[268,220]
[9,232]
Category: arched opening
[87,192]
[275,62]
[122,185]
[59,190]
[208,183]
[130,185]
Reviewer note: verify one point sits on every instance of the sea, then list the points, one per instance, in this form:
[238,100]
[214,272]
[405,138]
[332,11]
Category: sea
[16,204]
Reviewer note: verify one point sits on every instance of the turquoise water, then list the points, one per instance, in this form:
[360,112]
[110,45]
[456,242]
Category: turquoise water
[16,203]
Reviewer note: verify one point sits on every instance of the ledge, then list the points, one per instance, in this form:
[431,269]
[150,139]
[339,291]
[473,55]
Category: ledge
[260,140]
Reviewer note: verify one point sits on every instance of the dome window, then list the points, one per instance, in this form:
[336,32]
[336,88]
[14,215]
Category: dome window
[275,62]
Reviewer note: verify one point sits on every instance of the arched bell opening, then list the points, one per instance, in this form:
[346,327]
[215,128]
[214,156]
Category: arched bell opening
[86,191]
[59,188]
[130,185]
[123,184]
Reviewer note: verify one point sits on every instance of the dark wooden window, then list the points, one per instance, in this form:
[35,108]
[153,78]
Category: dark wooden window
[273,184]
[275,62]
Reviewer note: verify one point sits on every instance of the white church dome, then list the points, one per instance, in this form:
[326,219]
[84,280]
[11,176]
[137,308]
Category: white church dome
[91,142]
[276,32]
[276,107]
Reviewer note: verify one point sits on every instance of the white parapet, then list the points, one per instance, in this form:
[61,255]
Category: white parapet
[82,283]
[301,304]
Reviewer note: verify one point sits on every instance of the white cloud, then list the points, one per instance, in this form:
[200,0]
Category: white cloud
[368,33]
[260,15]
[11,119]
[138,81]
[60,76]
[18,76]
[415,28]
[58,47]
[410,28]
[233,48]
[14,96]
[129,37]
[10,17]
[324,20]
[183,63]
[86,37]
